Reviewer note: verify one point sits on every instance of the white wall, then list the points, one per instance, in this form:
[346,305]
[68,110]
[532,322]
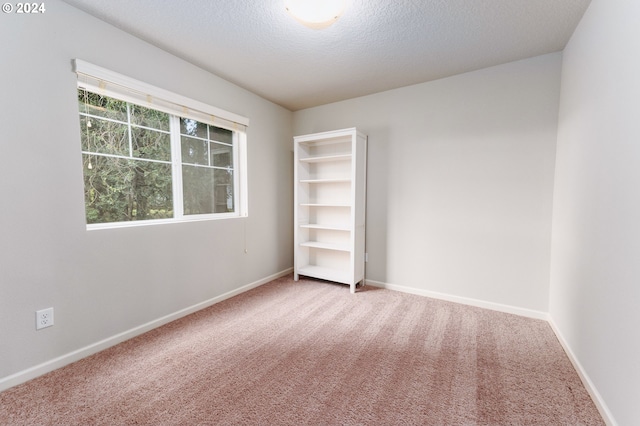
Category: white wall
[460,179]
[102,283]
[595,268]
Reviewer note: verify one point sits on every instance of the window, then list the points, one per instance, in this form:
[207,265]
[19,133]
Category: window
[147,159]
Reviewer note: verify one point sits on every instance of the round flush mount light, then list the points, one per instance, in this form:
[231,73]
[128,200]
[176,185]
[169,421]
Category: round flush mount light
[315,14]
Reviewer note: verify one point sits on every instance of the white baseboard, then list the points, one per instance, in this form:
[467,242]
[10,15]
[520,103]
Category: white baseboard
[61,361]
[607,416]
[530,313]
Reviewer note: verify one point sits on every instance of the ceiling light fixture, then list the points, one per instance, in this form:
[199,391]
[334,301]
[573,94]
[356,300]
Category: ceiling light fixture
[316,14]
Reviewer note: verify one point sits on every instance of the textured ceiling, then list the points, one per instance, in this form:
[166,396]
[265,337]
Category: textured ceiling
[376,45]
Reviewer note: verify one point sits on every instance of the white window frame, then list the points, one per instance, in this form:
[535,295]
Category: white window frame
[108,83]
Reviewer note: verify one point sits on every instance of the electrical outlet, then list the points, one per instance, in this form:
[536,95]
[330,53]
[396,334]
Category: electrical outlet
[44,318]
[366,257]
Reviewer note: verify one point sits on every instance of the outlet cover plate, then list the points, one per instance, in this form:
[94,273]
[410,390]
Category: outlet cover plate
[44,318]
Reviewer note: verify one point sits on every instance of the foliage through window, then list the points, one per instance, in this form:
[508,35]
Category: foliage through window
[144,164]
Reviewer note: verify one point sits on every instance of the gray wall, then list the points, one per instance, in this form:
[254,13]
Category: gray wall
[460,180]
[105,282]
[595,267]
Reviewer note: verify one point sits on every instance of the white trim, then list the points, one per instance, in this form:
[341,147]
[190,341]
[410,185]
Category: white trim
[61,361]
[148,222]
[176,169]
[607,416]
[243,177]
[95,71]
[524,312]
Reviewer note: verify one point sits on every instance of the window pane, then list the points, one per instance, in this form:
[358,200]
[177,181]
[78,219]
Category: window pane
[119,190]
[105,137]
[221,155]
[194,151]
[206,190]
[193,128]
[92,103]
[197,189]
[149,118]
[221,135]
[151,144]
[224,191]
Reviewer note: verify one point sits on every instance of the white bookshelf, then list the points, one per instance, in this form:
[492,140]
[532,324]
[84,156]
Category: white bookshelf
[329,198]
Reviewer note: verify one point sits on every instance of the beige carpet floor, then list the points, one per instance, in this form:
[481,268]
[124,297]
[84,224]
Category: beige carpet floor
[310,352]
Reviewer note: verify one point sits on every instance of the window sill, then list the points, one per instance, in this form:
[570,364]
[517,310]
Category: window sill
[151,222]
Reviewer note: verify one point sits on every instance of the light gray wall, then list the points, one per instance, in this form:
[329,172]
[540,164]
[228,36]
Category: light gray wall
[460,180]
[595,268]
[105,282]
